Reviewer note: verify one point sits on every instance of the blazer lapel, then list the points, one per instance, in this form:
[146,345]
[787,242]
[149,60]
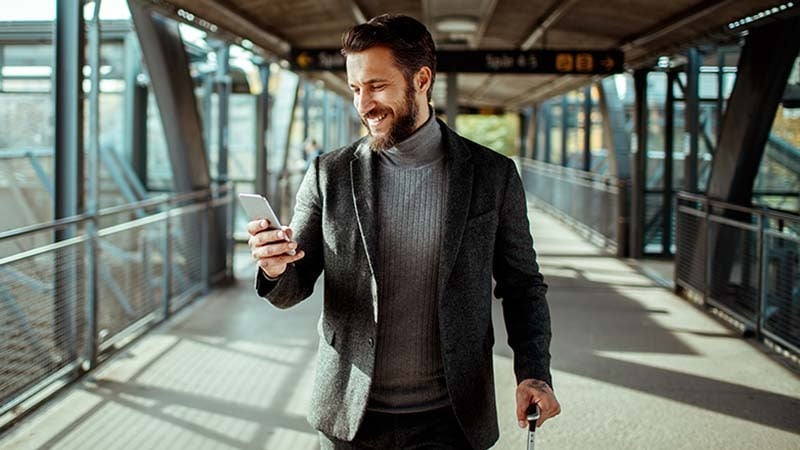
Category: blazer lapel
[362,182]
[459,195]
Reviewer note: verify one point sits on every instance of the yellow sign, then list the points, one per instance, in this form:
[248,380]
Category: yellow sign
[584,62]
[304,60]
[565,62]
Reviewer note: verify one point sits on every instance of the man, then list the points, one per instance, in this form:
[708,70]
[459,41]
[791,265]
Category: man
[409,225]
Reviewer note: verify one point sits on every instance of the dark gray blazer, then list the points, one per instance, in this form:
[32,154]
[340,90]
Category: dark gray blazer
[487,233]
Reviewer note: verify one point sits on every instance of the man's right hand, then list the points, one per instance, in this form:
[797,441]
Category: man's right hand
[270,248]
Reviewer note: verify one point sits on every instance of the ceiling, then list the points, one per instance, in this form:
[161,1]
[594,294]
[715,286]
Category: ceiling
[643,29]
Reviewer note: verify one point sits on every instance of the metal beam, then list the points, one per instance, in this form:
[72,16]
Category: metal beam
[744,134]
[136,99]
[234,22]
[262,123]
[223,88]
[553,15]
[564,129]
[486,17]
[692,120]
[616,131]
[669,150]
[681,19]
[357,11]
[68,95]
[587,128]
[452,99]
[639,175]
[168,67]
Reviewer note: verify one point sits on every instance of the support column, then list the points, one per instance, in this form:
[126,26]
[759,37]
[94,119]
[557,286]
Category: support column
[135,142]
[669,150]
[639,174]
[262,123]
[548,124]
[223,82]
[617,133]
[168,67]
[69,176]
[587,128]
[533,131]
[692,122]
[564,128]
[745,129]
[452,99]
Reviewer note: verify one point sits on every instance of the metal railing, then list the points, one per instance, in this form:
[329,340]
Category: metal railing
[68,304]
[744,262]
[594,204]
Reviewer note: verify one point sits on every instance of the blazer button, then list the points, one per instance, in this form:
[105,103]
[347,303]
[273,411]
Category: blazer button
[371,342]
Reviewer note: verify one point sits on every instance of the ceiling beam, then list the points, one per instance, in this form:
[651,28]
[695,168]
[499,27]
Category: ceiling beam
[679,20]
[556,12]
[357,10]
[220,14]
[486,14]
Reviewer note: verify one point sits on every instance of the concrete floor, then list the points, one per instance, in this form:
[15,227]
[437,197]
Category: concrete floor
[634,367]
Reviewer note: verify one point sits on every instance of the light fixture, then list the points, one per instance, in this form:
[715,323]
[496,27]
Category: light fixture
[457,24]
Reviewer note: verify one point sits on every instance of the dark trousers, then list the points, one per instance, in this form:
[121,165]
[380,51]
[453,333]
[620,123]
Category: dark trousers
[437,429]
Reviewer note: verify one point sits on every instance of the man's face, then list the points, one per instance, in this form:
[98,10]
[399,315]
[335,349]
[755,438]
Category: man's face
[384,99]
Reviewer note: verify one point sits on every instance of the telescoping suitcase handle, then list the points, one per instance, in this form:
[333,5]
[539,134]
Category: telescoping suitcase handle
[533,416]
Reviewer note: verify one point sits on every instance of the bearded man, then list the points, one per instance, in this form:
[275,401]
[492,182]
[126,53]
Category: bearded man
[409,225]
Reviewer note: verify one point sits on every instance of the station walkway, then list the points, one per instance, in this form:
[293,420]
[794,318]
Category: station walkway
[634,366]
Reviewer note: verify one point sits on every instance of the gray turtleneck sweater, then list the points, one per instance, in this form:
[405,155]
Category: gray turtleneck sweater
[412,188]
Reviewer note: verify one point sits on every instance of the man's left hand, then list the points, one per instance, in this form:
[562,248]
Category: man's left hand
[532,391]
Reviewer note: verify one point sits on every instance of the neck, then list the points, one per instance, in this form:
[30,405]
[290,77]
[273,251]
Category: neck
[424,113]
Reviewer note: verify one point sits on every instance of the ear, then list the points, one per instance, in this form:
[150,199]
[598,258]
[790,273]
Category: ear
[422,79]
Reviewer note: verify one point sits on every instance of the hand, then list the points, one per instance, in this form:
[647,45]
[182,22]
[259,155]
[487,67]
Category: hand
[537,392]
[270,248]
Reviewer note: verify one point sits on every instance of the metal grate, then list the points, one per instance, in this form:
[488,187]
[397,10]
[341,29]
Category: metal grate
[46,332]
[690,235]
[589,201]
[745,262]
[781,314]
[733,282]
[41,315]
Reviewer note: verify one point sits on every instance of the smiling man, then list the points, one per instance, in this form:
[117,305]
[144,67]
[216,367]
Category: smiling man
[410,224]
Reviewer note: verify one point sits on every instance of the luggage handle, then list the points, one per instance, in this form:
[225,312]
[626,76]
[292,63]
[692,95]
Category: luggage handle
[532,416]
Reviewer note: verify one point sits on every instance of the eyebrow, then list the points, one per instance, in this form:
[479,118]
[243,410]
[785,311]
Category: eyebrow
[373,81]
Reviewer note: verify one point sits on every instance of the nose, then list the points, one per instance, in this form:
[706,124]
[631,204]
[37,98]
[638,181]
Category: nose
[363,103]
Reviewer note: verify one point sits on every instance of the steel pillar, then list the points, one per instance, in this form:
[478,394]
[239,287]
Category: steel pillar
[587,128]
[452,99]
[262,123]
[135,142]
[617,133]
[69,176]
[639,174]
[172,84]
[692,121]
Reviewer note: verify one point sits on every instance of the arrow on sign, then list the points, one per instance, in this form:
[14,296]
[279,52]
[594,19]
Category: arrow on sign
[608,63]
[304,60]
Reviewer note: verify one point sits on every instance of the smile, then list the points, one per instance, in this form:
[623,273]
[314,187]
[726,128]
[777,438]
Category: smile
[374,121]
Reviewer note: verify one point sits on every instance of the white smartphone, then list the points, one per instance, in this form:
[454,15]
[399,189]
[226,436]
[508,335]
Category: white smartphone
[257,207]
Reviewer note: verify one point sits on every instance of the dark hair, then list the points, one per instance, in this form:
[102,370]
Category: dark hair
[407,38]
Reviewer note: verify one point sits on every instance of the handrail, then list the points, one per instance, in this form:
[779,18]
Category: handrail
[161,199]
[763,211]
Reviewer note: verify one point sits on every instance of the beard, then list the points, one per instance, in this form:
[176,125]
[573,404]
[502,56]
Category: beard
[403,126]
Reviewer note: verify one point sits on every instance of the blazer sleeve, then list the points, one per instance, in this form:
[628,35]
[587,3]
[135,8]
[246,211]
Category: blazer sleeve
[297,283]
[520,285]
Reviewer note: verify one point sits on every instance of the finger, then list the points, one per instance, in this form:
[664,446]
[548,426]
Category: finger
[255,226]
[267,237]
[289,232]
[275,249]
[277,264]
[523,402]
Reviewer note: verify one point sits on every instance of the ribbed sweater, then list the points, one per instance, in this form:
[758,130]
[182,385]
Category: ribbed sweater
[412,188]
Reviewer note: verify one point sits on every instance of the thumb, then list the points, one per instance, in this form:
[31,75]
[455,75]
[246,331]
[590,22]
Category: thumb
[289,232]
[523,401]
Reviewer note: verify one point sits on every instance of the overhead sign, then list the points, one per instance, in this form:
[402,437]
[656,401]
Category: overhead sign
[531,61]
[581,62]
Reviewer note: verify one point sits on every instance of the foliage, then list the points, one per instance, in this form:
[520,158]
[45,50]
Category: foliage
[498,132]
